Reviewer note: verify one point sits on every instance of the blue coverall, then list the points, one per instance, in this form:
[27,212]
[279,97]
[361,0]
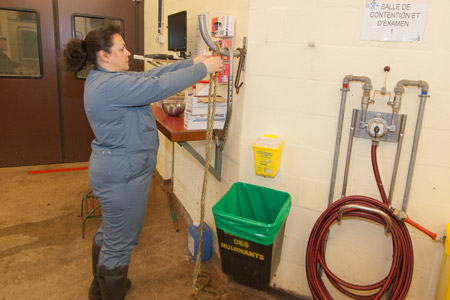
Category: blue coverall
[124,150]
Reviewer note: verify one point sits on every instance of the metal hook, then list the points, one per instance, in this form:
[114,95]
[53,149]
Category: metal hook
[388,220]
[237,86]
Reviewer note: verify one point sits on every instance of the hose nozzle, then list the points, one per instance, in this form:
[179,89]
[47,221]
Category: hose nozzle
[403,217]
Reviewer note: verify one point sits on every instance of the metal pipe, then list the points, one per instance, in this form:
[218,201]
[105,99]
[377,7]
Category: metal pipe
[173,166]
[366,88]
[137,32]
[210,43]
[229,104]
[337,143]
[397,159]
[349,152]
[396,103]
[423,96]
[365,100]
[159,16]
[399,89]
[382,214]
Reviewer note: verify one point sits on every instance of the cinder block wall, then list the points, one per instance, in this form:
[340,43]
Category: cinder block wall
[293,90]
[188,171]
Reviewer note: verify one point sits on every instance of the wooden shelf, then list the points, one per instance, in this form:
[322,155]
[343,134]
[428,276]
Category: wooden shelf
[173,127]
[166,61]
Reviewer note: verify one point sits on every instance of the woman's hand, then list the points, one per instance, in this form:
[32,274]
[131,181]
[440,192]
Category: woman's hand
[213,64]
[201,58]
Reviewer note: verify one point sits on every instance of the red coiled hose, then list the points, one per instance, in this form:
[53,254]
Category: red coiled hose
[399,277]
[385,199]
[376,173]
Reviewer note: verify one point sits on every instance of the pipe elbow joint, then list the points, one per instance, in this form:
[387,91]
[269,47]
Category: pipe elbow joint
[367,87]
[424,86]
[209,42]
[399,89]
[347,79]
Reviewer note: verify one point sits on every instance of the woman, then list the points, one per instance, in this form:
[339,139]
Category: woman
[126,142]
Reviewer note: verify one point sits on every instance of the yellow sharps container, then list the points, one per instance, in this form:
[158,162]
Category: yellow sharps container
[443,289]
[268,155]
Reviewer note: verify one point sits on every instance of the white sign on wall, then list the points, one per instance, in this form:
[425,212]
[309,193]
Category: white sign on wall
[394,21]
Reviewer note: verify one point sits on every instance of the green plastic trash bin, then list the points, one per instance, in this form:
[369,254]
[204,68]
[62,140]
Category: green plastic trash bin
[250,223]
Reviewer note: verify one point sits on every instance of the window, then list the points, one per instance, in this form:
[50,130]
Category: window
[81,25]
[20,43]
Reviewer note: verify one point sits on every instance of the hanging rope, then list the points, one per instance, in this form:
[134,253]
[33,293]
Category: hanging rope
[209,133]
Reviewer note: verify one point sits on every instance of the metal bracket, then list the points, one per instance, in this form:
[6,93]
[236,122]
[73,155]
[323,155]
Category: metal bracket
[389,136]
[217,170]
[382,214]
[245,46]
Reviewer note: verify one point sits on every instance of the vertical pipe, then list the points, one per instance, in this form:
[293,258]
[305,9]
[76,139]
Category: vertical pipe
[337,143]
[159,16]
[173,166]
[217,165]
[397,157]
[58,78]
[137,36]
[366,88]
[412,161]
[349,151]
[229,101]
[365,101]
[395,109]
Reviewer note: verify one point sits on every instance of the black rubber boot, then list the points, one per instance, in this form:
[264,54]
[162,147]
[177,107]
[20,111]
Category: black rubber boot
[113,283]
[94,290]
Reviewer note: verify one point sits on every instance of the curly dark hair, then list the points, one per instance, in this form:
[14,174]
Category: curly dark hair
[78,53]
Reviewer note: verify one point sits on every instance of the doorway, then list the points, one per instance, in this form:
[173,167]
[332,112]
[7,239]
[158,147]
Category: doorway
[42,116]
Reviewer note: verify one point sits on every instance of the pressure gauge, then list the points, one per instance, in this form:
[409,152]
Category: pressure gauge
[377,126]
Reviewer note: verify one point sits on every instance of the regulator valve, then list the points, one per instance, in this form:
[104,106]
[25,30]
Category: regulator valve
[377,127]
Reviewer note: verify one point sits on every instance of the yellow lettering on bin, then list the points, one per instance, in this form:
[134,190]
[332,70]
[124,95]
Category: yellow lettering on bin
[241,251]
[241,243]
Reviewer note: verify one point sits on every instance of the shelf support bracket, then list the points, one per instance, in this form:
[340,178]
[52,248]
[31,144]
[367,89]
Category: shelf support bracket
[216,171]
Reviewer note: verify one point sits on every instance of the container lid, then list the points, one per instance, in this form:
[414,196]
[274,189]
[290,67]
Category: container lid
[269,141]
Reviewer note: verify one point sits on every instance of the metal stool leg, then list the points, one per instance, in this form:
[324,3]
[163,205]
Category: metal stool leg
[89,216]
[85,206]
